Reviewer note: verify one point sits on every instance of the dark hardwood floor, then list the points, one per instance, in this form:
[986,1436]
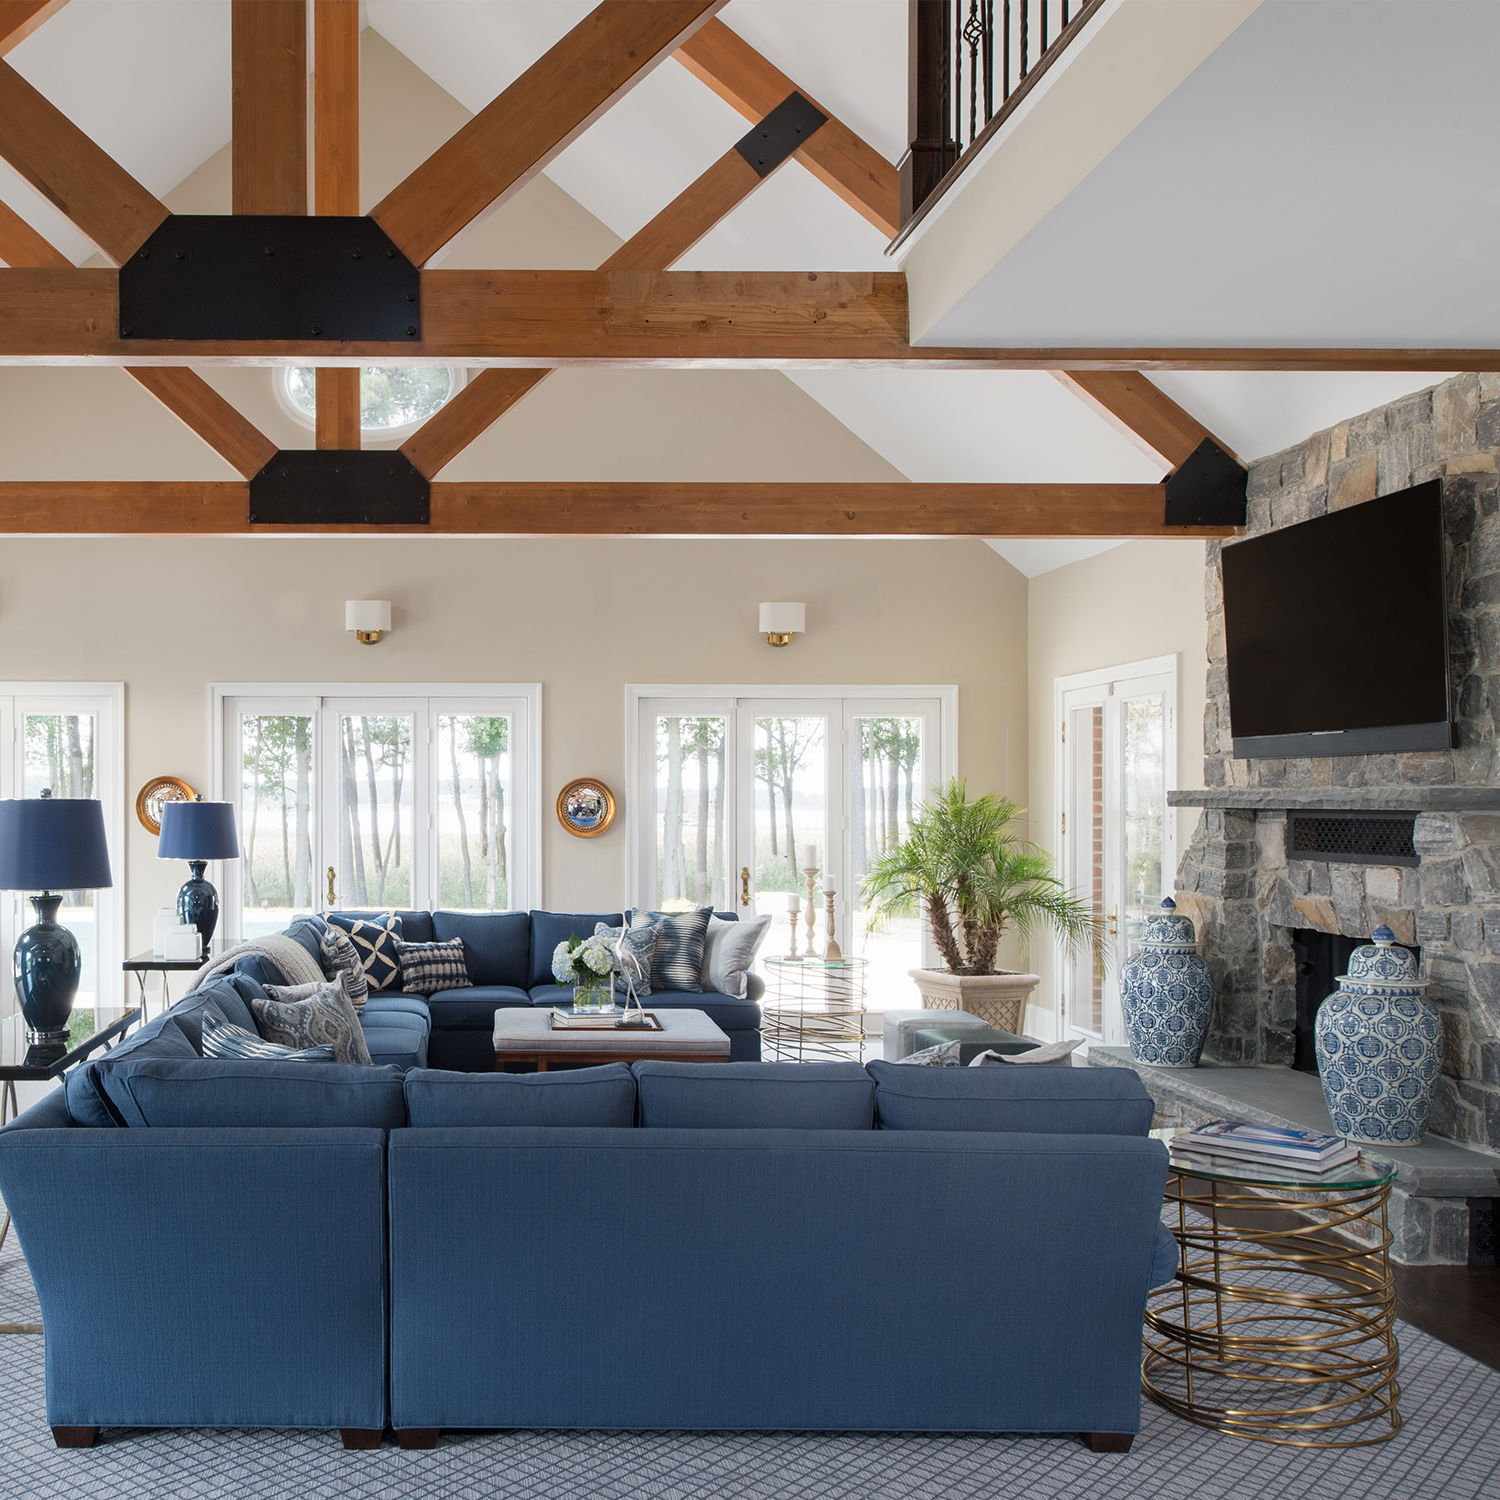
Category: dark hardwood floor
[1458,1304]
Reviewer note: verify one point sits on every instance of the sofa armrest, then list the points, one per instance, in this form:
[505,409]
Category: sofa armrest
[755,986]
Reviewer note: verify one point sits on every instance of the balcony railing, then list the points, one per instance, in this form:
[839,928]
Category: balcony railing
[971,62]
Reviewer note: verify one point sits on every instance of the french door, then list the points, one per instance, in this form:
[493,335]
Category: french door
[380,797]
[738,793]
[1117,759]
[65,738]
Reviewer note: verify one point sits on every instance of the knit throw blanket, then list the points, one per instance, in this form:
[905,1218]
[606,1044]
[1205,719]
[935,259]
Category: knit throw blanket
[297,965]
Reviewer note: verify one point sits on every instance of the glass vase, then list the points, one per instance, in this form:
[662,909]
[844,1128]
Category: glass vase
[593,995]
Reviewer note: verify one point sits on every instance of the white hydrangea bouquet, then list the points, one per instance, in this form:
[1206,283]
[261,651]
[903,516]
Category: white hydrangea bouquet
[591,965]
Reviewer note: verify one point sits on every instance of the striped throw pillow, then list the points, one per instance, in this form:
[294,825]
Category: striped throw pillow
[338,955]
[427,968]
[677,963]
[222,1038]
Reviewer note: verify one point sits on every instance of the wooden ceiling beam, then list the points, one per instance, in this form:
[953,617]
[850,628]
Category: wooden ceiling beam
[90,189]
[19,18]
[1141,412]
[666,319]
[836,156]
[190,397]
[268,157]
[336,185]
[608,509]
[672,233]
[550,104]
[21,245]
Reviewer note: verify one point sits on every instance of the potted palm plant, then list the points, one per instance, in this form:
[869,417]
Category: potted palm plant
[965,864]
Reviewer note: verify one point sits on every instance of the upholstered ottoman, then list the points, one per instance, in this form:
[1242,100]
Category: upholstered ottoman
[902,1026]
[972,1041]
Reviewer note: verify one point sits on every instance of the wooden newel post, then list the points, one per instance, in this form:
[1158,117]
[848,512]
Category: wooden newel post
[928,114]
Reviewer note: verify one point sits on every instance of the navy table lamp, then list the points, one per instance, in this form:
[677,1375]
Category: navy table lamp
[198,831]
[50,844]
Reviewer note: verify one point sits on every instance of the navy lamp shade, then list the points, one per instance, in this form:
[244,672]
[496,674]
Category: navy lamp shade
[198,831]
[50,844]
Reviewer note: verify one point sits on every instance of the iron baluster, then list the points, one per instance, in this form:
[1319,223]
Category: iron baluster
[1005,53]
[947,97]
[973,34]
[1025,17]
[989,60]
[1044,27]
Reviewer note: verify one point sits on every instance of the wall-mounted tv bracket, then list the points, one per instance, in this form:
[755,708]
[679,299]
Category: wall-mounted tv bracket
[789,125]
[339,487]
[1207,489]
[270,276]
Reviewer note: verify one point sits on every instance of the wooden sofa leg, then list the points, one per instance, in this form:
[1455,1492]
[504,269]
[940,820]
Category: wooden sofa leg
[1109,1442]
[417,1437]
[360,1437]
[74,1437]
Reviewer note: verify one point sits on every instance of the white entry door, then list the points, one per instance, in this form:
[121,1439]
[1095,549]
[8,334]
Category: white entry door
[1117,759]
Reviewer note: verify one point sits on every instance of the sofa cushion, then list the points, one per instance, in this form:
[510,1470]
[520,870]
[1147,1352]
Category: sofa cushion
[306,1015]
[603,1096]
[1037,1101]
[416,926]
[1165,1258]
[391,1002]
[224,996]
[374,938]
[223,1093]
[677,963]
[84,1088]
[401,1047]
[755,1096]
[497,944]
[472,1009]
[549,928]
[307,933]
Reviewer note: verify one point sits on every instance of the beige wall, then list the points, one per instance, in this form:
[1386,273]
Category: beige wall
[1141,600]
[171,616]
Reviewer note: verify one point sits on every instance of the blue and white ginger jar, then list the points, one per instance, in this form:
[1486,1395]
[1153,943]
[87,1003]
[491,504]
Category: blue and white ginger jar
[1167,993]
[1380,1047]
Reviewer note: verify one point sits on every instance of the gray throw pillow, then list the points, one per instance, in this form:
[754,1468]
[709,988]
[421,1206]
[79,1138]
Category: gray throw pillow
[640,944]
[338,955]
[307,1015]
[729,948]
[1057,1055]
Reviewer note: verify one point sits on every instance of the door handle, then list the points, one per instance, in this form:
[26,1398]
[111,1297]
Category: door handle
[331,897]
[1112,923]
[745,885]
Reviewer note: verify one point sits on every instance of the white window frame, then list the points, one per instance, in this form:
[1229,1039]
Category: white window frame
[850,701]
[433,699]
[1169,667]
[105,700]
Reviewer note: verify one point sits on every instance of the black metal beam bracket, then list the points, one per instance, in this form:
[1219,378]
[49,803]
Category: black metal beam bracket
[1207,489]
[788,126]
[339,487]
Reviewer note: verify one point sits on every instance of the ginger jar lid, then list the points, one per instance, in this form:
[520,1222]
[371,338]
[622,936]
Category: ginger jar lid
[1381,961]
[1168,929]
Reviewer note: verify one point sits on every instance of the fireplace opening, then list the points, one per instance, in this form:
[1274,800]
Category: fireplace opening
[1321,957]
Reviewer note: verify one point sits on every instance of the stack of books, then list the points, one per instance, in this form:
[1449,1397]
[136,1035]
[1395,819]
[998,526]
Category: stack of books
[1223,1143]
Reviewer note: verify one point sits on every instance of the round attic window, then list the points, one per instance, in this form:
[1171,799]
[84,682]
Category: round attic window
[393,403]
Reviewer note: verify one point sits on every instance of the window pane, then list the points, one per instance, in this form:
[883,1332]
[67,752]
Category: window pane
[1145,808]
[387,397]
[474,811]
[1083,997]
[690,812]
[375,810]
[60,758]
[789,800]
[886,784]
[276,820]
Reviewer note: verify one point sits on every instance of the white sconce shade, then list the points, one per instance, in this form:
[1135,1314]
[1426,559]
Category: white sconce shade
[782,623]
[369,619]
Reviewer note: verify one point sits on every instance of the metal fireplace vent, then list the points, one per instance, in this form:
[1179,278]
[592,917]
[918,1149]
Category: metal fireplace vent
[1352,838]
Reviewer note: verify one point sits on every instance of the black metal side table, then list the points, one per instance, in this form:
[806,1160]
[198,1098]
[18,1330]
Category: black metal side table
[39,1064]
[142,964]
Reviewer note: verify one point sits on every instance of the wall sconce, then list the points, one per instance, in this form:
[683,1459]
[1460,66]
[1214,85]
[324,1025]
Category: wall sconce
[783,623]
[369,619]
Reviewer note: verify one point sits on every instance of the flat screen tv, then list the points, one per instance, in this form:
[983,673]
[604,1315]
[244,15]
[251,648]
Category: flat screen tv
[1336,632]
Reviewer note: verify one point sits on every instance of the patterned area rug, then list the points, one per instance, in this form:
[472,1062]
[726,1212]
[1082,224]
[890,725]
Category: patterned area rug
[1449,1447]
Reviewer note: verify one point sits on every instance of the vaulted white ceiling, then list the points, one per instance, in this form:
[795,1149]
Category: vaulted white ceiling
[1325,174]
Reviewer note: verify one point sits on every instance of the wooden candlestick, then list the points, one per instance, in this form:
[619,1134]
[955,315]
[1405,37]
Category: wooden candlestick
[791,917]
[832,953]
[811,871]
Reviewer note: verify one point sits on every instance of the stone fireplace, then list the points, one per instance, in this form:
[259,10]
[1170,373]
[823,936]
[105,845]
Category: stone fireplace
[1241,881]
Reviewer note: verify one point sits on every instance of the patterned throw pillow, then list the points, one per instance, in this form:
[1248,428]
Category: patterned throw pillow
[1058,1054]
[338,955]
[678,961]
[304,1015]
[640,946]
[427,968]
[944,1055]
[222,1038]
[374,940]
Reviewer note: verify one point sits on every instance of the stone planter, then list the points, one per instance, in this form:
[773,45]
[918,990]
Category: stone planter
[999,1000]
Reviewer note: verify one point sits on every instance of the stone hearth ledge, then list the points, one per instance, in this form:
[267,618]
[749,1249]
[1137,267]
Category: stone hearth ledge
[1412,799]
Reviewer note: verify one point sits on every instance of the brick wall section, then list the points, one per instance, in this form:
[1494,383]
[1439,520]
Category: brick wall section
[1235,879]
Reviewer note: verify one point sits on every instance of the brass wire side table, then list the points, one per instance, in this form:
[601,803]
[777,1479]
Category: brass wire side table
[814,1010]
[1278,1329]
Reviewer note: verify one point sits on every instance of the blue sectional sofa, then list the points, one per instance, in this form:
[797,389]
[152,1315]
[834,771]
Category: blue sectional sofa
[613,1247]
[508,956]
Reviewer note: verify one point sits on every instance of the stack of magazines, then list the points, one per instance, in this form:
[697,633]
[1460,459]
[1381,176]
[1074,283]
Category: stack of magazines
[1224,1142]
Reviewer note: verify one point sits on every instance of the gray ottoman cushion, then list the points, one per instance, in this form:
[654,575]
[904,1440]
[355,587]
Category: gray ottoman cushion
[902,1026]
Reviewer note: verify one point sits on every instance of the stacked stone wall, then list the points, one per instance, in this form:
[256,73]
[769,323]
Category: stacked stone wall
[1235,878]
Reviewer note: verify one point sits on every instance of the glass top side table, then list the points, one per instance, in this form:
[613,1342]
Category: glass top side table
[814,1009]
[1280,1325]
